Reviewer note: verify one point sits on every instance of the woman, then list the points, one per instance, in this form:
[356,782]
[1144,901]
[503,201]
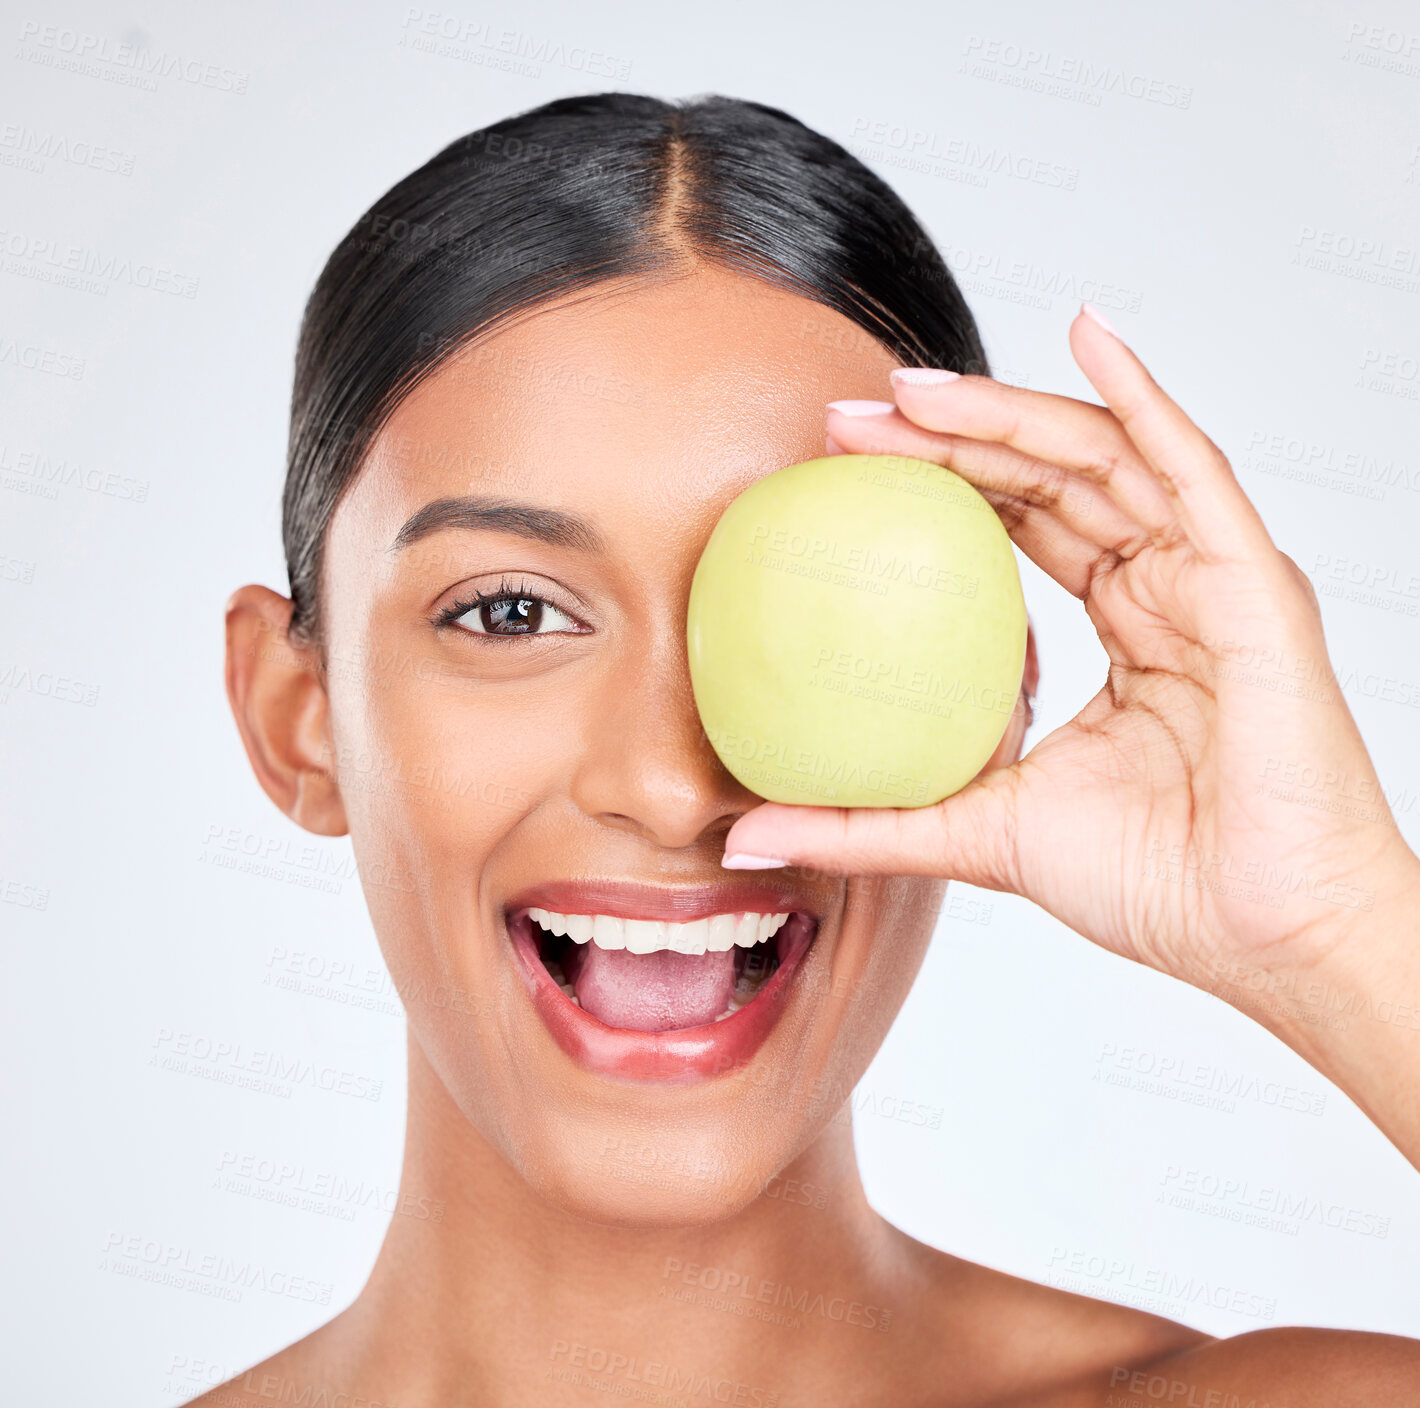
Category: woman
[529,381]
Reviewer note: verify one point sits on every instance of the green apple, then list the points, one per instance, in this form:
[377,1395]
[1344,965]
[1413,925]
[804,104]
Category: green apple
[857,633]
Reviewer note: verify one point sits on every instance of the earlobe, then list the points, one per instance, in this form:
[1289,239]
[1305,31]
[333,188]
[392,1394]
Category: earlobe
[282,711]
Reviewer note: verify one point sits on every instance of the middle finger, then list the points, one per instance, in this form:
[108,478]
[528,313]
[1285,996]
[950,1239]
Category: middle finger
[997,470]
[1086,439]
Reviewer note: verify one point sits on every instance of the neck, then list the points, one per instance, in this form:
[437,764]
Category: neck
[483,1289]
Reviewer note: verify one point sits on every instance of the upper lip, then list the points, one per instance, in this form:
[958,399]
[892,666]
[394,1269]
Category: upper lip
[630,899]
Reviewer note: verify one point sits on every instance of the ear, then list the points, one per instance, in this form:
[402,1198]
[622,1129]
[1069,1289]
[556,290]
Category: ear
[1008,750]
[278,698]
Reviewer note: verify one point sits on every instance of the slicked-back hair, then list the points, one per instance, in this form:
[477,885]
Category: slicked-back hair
[574,193]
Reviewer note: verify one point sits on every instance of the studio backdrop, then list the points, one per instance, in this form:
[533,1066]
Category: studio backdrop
[204,1054]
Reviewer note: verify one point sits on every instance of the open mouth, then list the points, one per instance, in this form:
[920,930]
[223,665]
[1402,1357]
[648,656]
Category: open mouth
[652,975]
[664,999]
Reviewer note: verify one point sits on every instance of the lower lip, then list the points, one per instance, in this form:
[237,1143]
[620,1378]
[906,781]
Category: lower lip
[675,1057]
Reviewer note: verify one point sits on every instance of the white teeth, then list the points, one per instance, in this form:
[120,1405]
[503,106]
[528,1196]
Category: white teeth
[717,934]
[722,933]
[747,930]
[644,935]
[688,938]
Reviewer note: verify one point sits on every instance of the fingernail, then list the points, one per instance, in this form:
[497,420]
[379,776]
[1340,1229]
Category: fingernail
[741,861]
[1090,311]
[921,376]
[832,445]
[862,408]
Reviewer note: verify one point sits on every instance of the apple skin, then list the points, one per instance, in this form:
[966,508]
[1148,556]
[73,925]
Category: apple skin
[856,633]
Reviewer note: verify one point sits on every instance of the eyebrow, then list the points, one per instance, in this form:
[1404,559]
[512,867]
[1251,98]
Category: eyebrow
[473,512]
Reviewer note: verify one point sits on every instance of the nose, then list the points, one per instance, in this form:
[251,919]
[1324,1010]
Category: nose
[646,765]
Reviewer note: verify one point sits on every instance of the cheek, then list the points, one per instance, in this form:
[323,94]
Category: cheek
[885,957]
[906,921]
[436,770]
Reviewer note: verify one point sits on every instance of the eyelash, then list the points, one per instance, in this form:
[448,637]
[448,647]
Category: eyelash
[505,591]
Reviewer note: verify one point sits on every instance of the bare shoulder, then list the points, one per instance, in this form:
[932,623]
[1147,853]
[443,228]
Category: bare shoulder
[305,1372]
[1019,1336]
[1042,1347]
[283,1371]
[1290,1367]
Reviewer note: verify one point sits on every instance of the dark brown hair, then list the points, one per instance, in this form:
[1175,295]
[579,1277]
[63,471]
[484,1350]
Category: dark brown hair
[574,193]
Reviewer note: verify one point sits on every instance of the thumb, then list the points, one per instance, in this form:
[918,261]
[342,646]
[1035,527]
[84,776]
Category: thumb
[969,837]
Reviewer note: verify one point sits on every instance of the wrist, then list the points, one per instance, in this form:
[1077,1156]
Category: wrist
[1358,996]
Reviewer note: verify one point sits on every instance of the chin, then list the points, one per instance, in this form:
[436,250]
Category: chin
[680,1175]
[666,1027]
[645,1055]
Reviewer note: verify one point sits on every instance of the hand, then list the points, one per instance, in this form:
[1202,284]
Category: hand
[1157,822]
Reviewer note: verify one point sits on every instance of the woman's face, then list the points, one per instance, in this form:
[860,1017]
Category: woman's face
[544,752]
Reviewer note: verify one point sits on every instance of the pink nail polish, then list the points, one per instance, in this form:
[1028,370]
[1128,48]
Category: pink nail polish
[862,408]
[921,376]
[1090,311]
[741,861]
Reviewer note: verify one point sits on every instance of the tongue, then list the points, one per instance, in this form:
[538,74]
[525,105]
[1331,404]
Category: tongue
[653,992]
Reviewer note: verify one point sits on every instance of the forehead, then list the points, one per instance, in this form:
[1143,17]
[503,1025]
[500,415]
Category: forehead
[630,404]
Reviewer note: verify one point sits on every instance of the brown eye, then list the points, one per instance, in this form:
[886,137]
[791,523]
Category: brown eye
[511,615]
[515,616]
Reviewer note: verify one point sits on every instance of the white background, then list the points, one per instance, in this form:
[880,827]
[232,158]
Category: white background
[1239,192]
